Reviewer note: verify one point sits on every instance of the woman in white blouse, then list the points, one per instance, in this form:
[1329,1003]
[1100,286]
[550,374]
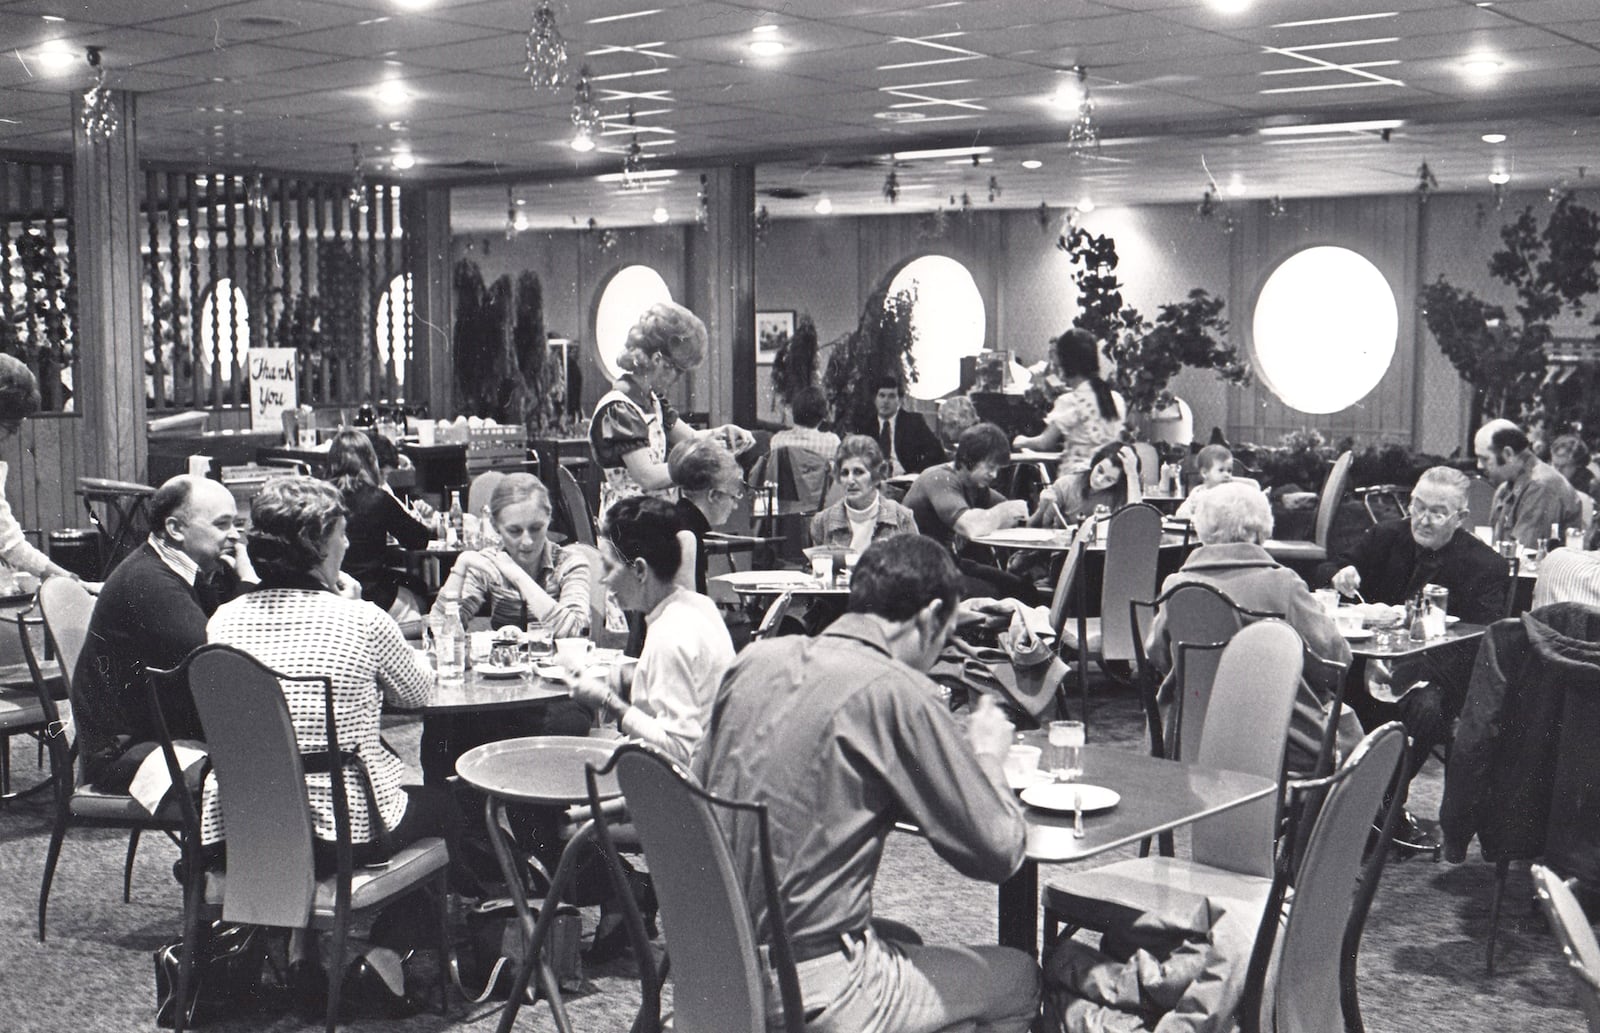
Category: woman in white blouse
[1084,417]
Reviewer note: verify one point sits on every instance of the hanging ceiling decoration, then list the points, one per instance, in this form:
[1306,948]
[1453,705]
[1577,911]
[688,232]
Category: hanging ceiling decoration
[763,224]
[1083,135]
[99,115]
[585,115]
[702,206]
[1208,205]
[1426,183]
[357,193]
[1275,208]
[994,188]
[547,50]
[891,187]
[1042,213]
[633,160]
[513,226]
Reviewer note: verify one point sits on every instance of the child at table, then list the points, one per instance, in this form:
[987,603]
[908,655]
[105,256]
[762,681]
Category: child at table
[1216,467]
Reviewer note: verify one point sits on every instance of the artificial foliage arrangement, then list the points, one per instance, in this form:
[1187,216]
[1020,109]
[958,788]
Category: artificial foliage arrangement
[879,347]
[41,322]
[794,365]
[1146,355]
[1551,270]
[505,369]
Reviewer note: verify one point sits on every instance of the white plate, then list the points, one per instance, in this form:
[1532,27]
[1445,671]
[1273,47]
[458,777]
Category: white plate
[1027,534]
[1032,778]
[554,672]
[1357,635]
[1451,618]
[500,670]
[1058,796]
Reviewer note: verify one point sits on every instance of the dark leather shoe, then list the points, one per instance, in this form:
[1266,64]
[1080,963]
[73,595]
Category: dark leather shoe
[1412,837]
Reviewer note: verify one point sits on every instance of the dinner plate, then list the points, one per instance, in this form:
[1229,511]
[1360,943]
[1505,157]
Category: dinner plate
[501,670]
[1357,634]
[554,672]
[1058,796]
[1028,534]
[1451,618]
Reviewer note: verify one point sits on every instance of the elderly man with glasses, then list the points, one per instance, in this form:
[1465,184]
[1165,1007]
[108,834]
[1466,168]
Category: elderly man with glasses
[1390,564]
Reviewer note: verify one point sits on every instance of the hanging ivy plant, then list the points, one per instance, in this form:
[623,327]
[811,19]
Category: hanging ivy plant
[794,365]
[880,347]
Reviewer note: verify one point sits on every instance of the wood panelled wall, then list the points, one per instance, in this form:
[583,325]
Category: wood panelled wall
[43,464]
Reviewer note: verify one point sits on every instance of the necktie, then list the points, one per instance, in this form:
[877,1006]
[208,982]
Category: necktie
[886,439]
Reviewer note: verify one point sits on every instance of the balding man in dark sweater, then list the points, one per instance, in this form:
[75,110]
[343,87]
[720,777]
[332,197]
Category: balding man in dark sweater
[151,613]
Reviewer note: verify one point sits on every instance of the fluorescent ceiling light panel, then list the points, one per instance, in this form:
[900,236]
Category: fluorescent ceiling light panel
[623,17]
[941,152]
[1336,20]
[1332,127]
[617,177]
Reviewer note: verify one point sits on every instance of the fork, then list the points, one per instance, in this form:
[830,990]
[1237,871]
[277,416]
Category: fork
[1077,813]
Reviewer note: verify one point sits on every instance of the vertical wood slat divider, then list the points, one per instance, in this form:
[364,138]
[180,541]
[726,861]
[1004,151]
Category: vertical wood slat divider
[369,331]
[255,298]
[390,389]
[6,194]
[214,343]
[196,341]
[235,364]
[152,207]
[331,366]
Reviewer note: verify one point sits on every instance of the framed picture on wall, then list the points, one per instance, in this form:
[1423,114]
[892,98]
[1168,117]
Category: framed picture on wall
[772,330]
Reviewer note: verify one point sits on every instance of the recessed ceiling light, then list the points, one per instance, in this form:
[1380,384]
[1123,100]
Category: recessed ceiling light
[1315,128]
[1068,95]
[659,215]
[1236,187]
[618,177]
[766,47]
[52,17]
[1481,66]
[1228,6]
[413,5]
[941,152]
[520,223]
[392,93]
[1499,177]
[56,55]
[403,160]
[1494,138]
[764,30]
[583,142]
[899,116]
[521,201]
[823,205]
[1033,163]
[1085,204]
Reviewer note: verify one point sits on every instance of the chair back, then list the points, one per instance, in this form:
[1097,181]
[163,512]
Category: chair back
[1313,990]
[1066,580]
[1576,936]
[66,607]
[1149,463]
[1247,729]
[1194,672]
[482,490]
[1199,614]
[1332,495]
[801,476]
[261,781]
[1480,500]
[718,980]
[575,506]
[1133,545]
[772,620]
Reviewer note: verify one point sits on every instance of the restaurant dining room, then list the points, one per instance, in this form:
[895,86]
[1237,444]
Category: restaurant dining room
[896,515]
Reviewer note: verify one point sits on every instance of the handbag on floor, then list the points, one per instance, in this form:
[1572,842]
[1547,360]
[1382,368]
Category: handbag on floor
[226,975]
[494,949]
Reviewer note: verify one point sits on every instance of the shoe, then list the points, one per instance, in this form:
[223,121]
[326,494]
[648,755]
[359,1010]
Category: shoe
[367,993]
[608,946]
[1412,837]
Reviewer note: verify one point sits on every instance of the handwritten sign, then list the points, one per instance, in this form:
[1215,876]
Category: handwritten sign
[274,388]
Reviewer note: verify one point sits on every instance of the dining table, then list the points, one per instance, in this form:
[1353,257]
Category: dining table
[540,770]
[1175,534]
[1156,795]
[777,582]
[504,689]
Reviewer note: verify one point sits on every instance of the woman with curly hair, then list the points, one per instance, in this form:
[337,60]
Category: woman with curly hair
[634,427]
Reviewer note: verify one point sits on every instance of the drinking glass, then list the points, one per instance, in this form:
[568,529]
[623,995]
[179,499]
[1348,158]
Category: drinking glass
[822,568]
[1064,757]
[1436,603]
[539,640]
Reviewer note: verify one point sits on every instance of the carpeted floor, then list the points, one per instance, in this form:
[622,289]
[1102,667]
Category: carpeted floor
[1421,962]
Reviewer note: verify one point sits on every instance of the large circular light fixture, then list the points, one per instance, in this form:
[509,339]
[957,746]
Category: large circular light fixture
[630,291]
[1324,327]
[947,320]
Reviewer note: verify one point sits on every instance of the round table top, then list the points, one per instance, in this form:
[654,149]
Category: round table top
[477,694]
[546,769]
[776,582]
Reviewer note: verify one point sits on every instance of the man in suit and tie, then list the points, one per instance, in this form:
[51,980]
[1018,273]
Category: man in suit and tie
[905,437]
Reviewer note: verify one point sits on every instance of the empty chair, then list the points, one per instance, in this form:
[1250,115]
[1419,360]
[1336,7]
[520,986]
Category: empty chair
[22,712]
[573,507]
[1149,463]
[1246,729]
[719,978]
[1133,545]
[482,490]
[1576,936]
[66,605]
[1302,555]
[261,780]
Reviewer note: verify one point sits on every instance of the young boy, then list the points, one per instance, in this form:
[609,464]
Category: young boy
[1215,463]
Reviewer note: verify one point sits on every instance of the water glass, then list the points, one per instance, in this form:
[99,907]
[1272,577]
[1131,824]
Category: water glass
[1064,757]
[1328,599]
[822,568]
[539,640]
[1436,603]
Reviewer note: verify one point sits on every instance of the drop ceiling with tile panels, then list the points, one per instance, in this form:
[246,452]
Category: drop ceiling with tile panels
[1181,90]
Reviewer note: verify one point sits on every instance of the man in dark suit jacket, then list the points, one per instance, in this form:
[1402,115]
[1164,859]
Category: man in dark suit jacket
[905,437]
[150,614]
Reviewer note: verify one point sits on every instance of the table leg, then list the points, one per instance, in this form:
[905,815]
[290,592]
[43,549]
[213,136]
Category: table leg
[1019,909]
[533,931]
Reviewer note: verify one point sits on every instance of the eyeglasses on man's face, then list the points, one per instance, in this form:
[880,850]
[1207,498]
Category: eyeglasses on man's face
[1433,514]
[733,492]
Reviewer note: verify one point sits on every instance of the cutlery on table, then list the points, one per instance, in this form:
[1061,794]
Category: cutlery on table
[1077,813]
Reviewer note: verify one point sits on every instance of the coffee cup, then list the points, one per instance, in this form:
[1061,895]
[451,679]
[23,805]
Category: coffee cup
[1349,620]
[1021,763]
[571,653]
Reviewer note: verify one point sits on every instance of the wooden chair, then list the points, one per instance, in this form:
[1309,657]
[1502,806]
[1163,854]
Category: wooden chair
[1149,463]
[717,934]
[261,779]
[1232,853]
[1133,545]
[66,607]
[22,712]
[1575,933]
[1304,555]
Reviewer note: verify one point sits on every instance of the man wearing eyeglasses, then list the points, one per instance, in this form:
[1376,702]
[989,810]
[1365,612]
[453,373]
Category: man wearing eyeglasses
[1390,564]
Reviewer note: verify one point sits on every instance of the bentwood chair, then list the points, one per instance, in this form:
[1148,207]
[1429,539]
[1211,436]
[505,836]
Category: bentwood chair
[66,606]
[1133,546]
[261,781]
[574,507]
[1304,555]
[1246,729]
[716,934]
[1575,933]
[22,712]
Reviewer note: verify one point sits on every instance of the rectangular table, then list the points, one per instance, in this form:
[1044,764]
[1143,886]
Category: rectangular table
[1157,795]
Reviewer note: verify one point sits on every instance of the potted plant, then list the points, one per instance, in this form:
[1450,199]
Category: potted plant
[794,365]
[879,347]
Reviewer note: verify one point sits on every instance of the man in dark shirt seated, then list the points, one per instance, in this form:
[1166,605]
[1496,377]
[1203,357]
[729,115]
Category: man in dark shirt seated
[954,503]
[151,613]
[1390,564]
[840,736]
